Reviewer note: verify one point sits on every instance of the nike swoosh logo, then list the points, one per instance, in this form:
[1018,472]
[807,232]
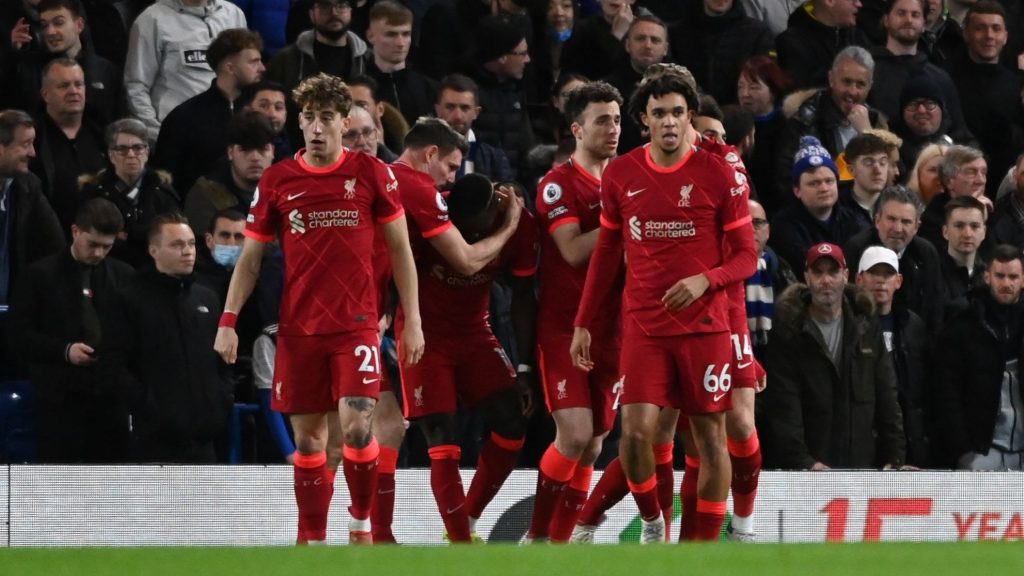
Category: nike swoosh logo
[369,380]
[632,193]
[742,366]
[386,491]
[450,510]
[720,396]
[595,205]
[294,196]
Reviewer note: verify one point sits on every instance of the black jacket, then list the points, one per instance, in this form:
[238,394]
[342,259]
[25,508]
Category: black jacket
[897,70]
[807,47]
[159,350]
[46,318]
[410,92]
[503,121]
[156,196]
[37,233]
[795,230]
[970,365]
[64,200]
[211,193]
[593,50]
[714,49]
[959,284]
[844,418]
[923,290]
[104,96]
[489,161]
[911,353]
[1004,228]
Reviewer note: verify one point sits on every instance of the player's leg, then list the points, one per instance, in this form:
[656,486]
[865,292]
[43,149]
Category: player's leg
[688,488]
[745,453]
[389,429]
[445,480]
[715,473]
[500,451]
[314,481]
[639,429]
[664,444]
[574,432]
[574,497]
[359,462]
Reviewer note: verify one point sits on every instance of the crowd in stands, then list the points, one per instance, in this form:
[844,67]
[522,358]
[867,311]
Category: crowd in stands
[889,131]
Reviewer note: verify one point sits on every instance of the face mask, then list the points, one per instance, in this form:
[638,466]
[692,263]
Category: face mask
[226,255]
[561,36]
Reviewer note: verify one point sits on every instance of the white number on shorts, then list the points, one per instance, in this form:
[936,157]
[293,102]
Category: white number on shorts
[713,383]
[617,389]
[369,355]
[743,351]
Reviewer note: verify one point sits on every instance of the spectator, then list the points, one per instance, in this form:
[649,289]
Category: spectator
[817,215]
[964,172]
[897,219]
[646,43]
[596,43]
[991,93]
[556,20]
[160,352]
[979,360]
[922,120]
[835,114]
[267,18]
[774,13]
[760,89]
[55,326]
[773,276]
[232,184]
[906,339]
[901,60]
[62,23]
[714,41]
[29,230]
[832,387]
[457,105]
[300,20]
[166,62]
[223,239]
[193,139]
[68,144]
[447,35]
[1008,218]
[362,135]
[943,38]
[271,100]
[816,33]
[390,35]
[552,127]
[867,156]
[924,177]
[962,268]
[138,191]
[501,59]
[390,123]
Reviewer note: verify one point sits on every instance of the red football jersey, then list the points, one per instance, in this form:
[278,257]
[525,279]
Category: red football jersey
[567,194]
[326,219]
[453,305]
[673,223]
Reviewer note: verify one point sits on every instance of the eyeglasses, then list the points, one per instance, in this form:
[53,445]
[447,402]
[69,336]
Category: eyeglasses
[123,150]
[928,105]
[759,222]
[520,53]
[366,133]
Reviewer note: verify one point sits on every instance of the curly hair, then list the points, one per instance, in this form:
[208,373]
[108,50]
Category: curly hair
[323,91]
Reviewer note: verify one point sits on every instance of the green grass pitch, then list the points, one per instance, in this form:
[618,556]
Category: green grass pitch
[984,558]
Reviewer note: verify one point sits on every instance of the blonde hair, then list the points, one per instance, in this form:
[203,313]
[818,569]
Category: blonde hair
[923,157]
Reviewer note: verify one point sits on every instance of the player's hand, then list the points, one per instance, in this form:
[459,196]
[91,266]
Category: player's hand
[383,324]
[579,350]
[514,207]
[760,376]
[622,20]
[412,343]
[685,292]
[859,118]
[904,467]
[81,354]
[226,344]
[819,466]
[525,385]
[21,34]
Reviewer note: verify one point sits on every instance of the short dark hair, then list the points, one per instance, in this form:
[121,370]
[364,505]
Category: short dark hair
[1006,253]
[393,13]
[458,83]
[367,82]
[10,121]
[984,7]
[864,144]
[564,79]
[62,61]
[230,42]
[964,202]
[738,123]
[590,92]
[890,4]
[232,214]
[709,107]
[901,195]
[99,215]
[156,226]
[429,131]
[250,130]
[470,196]
[72,6]
[661,86]
[249,92]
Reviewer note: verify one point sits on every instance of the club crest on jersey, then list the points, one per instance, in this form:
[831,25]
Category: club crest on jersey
[350,189]
[417,394]
[684,196]
[562,394]
[552,193]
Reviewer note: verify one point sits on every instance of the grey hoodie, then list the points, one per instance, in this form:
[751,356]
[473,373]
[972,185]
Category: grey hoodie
[166,62]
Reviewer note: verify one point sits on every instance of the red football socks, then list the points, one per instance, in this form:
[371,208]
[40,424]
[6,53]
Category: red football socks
[383,512]
[710,516]
[610,490]
[553,475]
[746,468]
[646,495]
[313,492]
[688,495]
[666,483]
[497,459]
[569,507]
[360,466]
[446,482]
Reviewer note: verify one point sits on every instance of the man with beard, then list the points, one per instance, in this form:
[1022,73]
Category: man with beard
[457,105]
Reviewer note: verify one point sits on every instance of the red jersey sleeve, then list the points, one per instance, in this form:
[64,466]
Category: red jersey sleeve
[611,217]
[387,205]
[555,204]
[262,221]
[734,216]
[523,258]
[424,204]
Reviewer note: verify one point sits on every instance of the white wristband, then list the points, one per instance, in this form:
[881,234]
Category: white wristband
[524,369]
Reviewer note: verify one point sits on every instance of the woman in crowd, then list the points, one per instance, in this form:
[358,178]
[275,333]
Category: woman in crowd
[760,90]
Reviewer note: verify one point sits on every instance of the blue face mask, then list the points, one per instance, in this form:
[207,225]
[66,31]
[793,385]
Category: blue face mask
[561,36]
[226,256]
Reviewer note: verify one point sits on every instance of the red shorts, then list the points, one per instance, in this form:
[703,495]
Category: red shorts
[469,371]
[312,373]
[692,372]
[566,386]
[744,375]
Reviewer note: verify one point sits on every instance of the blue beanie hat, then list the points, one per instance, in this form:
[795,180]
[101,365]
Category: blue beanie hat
[809,156]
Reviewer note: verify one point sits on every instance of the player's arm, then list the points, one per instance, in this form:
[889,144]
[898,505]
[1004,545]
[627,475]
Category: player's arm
[574,245]
[606,263]
[468,259]
[740,264]
[524,322]
[396,234]
[243,281]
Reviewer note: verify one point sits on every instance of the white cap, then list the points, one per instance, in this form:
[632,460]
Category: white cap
[878,255]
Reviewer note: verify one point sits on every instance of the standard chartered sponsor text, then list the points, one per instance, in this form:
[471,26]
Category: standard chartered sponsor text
[669,229]
[332,218]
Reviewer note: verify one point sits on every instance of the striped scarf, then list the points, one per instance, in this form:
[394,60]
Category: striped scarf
[761,300]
